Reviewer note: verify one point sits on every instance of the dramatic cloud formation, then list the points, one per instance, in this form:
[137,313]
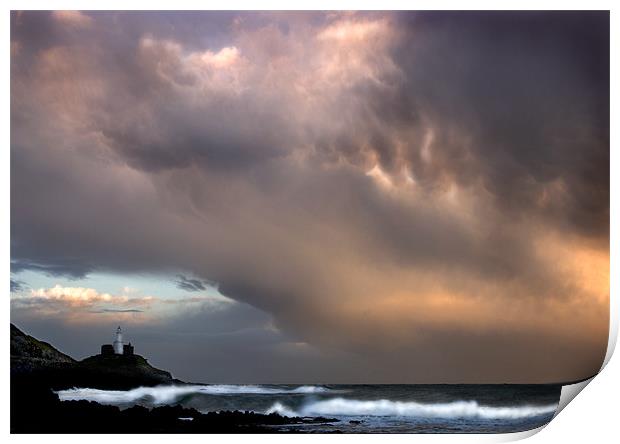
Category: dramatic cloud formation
[403,197]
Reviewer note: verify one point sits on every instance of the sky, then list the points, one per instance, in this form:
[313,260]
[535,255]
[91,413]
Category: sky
[336,197]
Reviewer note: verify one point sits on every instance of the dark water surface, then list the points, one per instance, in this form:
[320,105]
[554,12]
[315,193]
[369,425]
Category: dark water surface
[360,408]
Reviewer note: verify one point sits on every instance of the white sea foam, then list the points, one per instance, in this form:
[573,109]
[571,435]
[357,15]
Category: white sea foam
[384,407]
[166,394]
[158,395]
[281,410]
[259,389]
[310,389]
[329,407]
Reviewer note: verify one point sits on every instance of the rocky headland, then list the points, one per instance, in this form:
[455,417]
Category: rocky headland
[38,370]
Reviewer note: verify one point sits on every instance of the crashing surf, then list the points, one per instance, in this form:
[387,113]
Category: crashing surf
[384,407]
[171,393]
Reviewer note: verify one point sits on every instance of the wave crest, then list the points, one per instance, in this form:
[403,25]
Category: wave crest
[384,407]
[170,393]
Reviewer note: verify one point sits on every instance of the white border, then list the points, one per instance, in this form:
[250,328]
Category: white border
[590,418]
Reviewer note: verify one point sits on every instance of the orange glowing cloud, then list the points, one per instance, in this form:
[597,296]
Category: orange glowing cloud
[73,18]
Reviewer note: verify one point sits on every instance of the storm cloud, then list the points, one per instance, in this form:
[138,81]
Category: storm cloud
[415,197]
[189,284]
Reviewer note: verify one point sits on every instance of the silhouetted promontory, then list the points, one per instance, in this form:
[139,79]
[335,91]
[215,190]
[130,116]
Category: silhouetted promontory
[38,369]
[31,357]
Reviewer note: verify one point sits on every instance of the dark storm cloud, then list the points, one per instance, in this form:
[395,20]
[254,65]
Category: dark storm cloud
[17,285]
[531,91]
[68,268]
[189,284]
[403,174]
[514,101]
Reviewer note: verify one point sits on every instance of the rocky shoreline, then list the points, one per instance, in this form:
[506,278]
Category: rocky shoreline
[38,369]
[39,410]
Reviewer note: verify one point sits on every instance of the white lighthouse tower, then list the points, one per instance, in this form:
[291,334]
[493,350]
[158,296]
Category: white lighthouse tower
[118,342]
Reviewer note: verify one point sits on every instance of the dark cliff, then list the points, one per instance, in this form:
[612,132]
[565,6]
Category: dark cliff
[39,361]
[119,372]
[29,354]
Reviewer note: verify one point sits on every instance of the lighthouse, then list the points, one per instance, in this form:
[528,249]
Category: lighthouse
[118,342]
[118,347]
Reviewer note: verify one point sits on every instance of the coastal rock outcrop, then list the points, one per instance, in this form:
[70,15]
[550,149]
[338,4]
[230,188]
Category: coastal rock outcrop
[35,359]
[29,354]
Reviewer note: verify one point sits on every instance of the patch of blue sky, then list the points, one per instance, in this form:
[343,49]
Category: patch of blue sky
[160,286]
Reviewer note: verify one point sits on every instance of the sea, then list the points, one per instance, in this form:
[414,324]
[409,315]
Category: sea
[377,408]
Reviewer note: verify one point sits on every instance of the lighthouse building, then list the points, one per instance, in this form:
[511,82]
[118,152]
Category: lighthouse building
[118,347]
[118,342]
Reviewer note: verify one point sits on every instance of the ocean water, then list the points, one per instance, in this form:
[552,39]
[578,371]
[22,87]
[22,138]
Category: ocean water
[360,408]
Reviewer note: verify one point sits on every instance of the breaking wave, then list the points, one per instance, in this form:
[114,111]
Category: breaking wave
[313,407]
[384,407]
[170,393]
[259,389]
